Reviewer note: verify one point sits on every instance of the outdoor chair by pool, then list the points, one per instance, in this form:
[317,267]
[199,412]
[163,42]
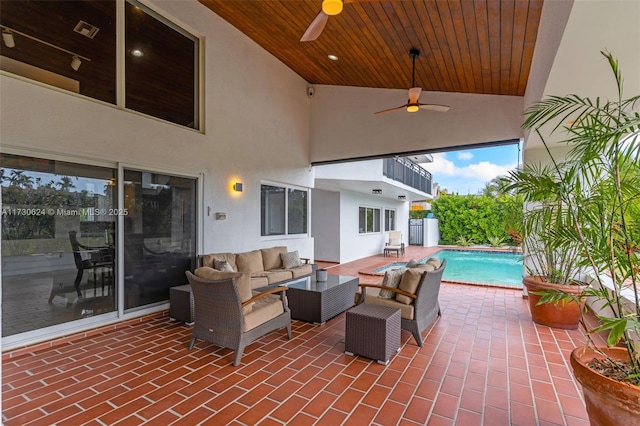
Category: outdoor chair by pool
[394,244]
[418,308]
[228,315]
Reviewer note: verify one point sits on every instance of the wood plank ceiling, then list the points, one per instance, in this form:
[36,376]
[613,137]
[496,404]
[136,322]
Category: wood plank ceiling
[468,46]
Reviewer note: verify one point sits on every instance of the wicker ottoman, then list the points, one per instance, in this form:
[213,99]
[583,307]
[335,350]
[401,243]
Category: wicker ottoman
[181,303]
[373,331]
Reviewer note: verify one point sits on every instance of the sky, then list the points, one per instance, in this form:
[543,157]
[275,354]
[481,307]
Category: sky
[467,171]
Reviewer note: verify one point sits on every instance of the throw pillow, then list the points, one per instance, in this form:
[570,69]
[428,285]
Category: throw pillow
[435,262]
[391,279]
[412,263]
[409,283]
[222,265]
[290,259]
[426,266]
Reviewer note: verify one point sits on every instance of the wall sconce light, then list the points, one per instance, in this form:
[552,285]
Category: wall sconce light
[7,39]
[75,63]
[402,197]
[237,187]
[376,191]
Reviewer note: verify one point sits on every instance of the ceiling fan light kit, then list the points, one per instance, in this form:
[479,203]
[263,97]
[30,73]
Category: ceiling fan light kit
[413,105]
[332,7]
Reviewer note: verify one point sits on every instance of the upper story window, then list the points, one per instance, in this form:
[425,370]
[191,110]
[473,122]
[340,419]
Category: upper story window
[73,46]
[389,220]
[369,220]
[284,210]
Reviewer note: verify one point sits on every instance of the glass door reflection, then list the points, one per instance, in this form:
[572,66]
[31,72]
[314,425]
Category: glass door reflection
[159,235]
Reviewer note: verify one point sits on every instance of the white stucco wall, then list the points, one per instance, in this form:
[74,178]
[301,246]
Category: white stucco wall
[344,125]
[354,245]
[326,224]
[256,121]
[578,67]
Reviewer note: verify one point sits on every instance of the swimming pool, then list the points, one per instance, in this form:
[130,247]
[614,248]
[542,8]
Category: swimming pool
[476,266]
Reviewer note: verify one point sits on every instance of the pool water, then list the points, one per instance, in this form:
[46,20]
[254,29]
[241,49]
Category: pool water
[473,266]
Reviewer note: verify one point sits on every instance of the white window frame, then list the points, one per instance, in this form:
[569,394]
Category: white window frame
[286,188]
[395,217]
[379,209]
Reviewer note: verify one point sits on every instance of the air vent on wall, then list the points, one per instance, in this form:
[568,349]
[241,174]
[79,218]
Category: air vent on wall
[86,29]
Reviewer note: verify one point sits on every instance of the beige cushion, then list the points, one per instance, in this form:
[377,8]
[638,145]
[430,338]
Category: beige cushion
[243,282]
[271,257]
[391,279]
[290,259]
[395,238]
[276,276]
[409,283]
[406,311]
[264,309]
[250,261]
[435,262]
[208,259]
[426,267]
[259,281]
[301,270]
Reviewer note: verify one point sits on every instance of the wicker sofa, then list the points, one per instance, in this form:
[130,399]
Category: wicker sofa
[267,267]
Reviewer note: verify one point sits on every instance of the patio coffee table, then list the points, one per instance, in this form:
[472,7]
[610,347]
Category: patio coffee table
[317,301]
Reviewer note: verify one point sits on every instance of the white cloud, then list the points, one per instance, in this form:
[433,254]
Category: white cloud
[440,165]
[469,179]
[465,155]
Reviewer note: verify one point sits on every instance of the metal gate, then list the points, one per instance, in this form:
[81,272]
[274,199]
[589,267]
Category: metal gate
[416,232]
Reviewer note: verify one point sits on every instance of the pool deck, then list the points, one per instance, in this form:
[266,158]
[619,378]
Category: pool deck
[366,267]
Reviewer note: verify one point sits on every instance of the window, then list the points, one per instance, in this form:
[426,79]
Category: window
[369,220]
[152,86]
[283,209]
[297,211]
[389,220]
[160,59]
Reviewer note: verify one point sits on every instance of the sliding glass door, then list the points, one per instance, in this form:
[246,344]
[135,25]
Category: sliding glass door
[60,246]
[58,242]
[159,235]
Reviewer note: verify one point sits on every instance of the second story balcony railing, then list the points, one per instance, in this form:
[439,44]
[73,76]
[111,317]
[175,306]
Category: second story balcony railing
[407,172]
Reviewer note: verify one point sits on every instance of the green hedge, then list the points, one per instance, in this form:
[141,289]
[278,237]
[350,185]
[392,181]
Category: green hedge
[477,218]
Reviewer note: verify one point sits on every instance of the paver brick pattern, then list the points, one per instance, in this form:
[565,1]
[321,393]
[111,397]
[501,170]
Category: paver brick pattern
[484,362]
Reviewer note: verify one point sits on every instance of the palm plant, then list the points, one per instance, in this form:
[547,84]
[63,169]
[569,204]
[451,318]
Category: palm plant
[586,207]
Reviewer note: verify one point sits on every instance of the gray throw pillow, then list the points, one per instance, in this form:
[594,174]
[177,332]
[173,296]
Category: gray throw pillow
[391,279]
[412,263]
[290,259]
[222,265]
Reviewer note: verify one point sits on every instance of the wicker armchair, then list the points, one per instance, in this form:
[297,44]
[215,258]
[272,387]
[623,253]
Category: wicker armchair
[221,317]
[424,308]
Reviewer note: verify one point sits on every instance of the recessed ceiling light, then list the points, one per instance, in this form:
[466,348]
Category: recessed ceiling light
[332,57]
[137,53]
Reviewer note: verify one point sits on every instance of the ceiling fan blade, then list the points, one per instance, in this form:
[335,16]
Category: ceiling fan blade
[414,94]
[315,27]
[434,107]
[391,110]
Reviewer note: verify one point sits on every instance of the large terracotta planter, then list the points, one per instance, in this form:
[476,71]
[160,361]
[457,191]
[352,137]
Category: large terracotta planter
[558,315]
[608,401]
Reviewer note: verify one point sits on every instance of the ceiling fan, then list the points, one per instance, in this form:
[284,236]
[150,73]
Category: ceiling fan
[412,104]
[329,8]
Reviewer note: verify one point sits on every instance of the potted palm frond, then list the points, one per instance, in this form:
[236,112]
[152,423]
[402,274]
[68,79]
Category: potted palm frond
[551,262]
[597,191]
